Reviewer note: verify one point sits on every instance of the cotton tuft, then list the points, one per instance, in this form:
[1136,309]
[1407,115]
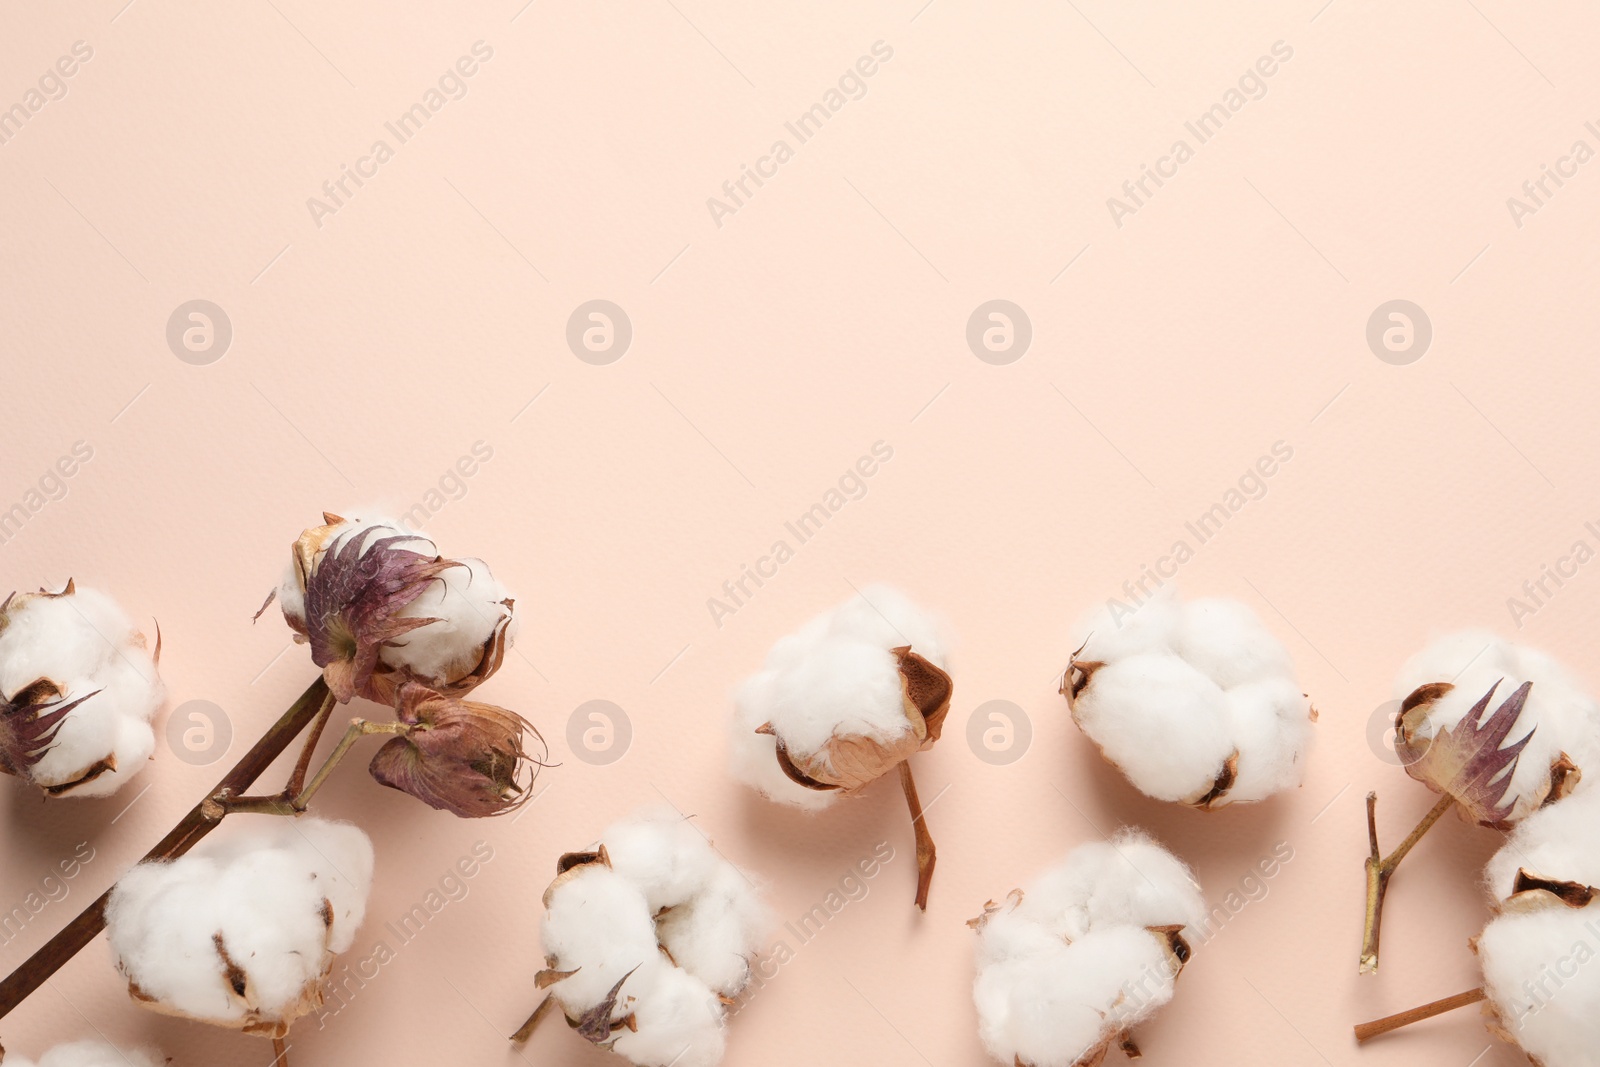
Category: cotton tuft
[78,687]
[91,1054]
[1195,702]
[657,909]
[242,932]
[1069,966]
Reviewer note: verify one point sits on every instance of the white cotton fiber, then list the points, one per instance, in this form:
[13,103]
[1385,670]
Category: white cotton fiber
[836,677]
[1074,962]
[1560,842]
[1541,971]
[1171,691]
[91,1054]
[1561,717]
[83,643]
[671,914]
[277,902]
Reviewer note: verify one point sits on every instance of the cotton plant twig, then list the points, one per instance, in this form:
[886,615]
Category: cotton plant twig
[926,855]
[1367,1031]
[191,829]
[1380,869]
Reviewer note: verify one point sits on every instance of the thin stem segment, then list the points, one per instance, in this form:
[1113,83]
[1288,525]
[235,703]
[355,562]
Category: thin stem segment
[527,1028]
[359,728]
[1367,1031]
[926,855]
[1380,869]
[191,829]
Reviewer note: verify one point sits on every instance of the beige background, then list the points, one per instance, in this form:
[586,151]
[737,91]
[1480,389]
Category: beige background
[829,312]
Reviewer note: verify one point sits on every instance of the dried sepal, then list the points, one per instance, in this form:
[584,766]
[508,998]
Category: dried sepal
[1469,761]
[597,1025]
[1532,890]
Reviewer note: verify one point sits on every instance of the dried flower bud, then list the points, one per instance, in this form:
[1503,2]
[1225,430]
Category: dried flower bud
[1194,702]
[380,608]
[462,757]
[77,690]
[242,932]
[1542,735]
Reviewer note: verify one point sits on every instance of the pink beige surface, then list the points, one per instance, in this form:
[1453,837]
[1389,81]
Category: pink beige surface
[775,340]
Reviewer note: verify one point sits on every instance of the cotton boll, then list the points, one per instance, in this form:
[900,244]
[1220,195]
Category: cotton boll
[92,1054]
[1558,842]
[1160,721]
[1269,722]
[356,589]
[75,649]
[714,934]
[1195,702]
[657,909]
[884,616]
[1541,971]
[679,1024]
[1227,642]
[1560,717]
[663,854]
[1069,965]
[754,756]
[242,932]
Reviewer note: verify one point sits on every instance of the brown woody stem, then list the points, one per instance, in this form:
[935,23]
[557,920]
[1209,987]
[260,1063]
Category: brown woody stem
[201,820]
[926,856]
[527,1028]
[280,1052]
[1368,1031]
[1380,869]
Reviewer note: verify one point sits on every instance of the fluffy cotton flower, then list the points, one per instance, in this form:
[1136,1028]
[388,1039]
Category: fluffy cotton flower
[648,938]
[1559,722]
[242,932]
[77,689]
[1195,702]
[1541,953]
[1068,967]
[91,1054]
[380,607]
[854,693]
